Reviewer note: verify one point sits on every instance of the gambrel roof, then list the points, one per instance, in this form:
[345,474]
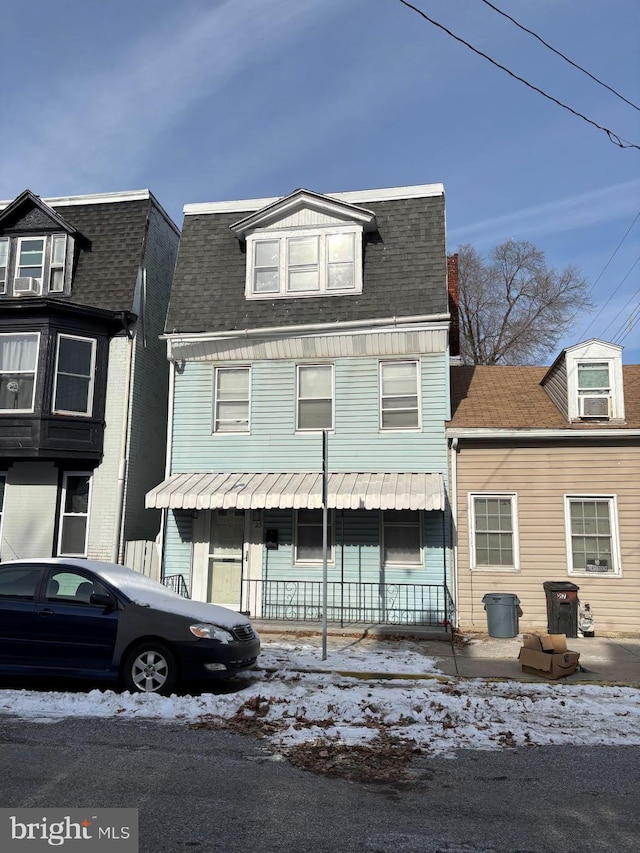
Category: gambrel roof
[404,262]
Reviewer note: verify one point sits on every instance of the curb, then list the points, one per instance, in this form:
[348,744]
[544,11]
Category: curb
[445,679]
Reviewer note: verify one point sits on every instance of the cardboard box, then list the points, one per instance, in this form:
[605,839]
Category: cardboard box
[547,655]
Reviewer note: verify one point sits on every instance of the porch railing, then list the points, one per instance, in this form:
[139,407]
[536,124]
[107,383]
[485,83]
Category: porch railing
[349,602]
[176,583]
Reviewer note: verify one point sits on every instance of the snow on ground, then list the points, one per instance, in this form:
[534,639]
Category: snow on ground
[293,705]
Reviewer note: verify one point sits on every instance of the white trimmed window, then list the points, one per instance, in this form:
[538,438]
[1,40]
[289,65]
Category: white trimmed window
[29,265]
[307,536]
[3,484]
[4,263]
[399,395]
[18,369]
[231,399]
[493,529]
[402,538]
[35,265]
[74,515]
[314,397]
[57,263]
[74,379]
[304,262]
[594,389]
[593,546]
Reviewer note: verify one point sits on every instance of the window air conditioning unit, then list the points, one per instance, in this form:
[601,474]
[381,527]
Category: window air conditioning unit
[23,286]
[594,406]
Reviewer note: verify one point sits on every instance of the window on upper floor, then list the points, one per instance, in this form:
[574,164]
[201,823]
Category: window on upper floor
[314,397]
[3,484]
[4,262]
[593,546]
[34,265]
[18,369]
[74,377]
[231,399]
[594,389]
[304,262]
[493,532]
[73,527]
[402,538]
[399,395]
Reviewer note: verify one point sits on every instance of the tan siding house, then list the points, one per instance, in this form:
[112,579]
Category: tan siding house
[538,496]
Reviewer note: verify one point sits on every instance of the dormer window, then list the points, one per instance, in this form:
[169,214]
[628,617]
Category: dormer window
[594,390]
[18,365]
[29,266]
[304,244]
[306,262]
[34,266]
[4,263]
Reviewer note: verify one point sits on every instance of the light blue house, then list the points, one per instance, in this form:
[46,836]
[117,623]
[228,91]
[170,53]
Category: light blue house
[290,318]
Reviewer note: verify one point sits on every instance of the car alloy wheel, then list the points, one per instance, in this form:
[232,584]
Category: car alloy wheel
[150,668]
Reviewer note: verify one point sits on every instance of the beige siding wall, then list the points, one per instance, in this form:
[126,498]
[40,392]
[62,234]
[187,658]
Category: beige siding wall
[541,477]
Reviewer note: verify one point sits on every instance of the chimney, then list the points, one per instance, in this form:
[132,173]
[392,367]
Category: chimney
[452,289]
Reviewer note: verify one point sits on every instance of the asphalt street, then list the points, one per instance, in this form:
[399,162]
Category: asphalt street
[207,790]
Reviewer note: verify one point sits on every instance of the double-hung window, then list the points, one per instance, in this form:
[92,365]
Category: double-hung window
[4,263]
[493,531]
[399,395]
[3,483]
[75,369]
[314,397]
[308,536]
[30,265]
[402,538]
[18,368]
[594,389]
[592,534]
[74,515]
[308,262]
[231,399]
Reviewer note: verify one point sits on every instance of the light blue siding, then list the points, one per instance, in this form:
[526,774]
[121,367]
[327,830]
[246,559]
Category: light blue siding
[356,444]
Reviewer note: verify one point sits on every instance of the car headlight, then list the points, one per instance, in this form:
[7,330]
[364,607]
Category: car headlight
[211,632]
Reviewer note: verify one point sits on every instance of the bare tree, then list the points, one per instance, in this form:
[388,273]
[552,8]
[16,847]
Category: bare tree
[513,308]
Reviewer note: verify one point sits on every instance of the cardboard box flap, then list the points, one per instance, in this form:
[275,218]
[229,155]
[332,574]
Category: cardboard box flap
[536,659]
[554,643]
[558,642]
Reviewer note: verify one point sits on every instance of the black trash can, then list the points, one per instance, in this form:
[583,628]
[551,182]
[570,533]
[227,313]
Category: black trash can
[502,613]
[562,607]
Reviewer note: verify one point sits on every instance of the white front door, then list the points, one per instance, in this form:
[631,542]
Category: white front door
[226,557]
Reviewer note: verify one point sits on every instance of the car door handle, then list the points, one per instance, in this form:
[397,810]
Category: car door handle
[46,612]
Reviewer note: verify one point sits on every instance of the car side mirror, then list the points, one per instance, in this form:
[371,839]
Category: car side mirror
[106,601]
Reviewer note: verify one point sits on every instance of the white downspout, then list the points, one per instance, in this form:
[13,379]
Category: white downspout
[454,520]
[117,552]
[167,461]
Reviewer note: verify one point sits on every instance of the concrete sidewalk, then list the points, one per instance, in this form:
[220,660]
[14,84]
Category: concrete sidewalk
[602,659]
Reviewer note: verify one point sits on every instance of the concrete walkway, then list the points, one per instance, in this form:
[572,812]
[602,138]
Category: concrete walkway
[602,659]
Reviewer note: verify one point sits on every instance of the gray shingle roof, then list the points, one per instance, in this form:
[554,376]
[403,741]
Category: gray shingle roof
[105,276]
[404,273]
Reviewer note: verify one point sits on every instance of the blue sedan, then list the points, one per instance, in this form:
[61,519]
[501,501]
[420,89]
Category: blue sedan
[93,620]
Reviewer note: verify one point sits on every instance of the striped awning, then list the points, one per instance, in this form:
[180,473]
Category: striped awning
[247,490]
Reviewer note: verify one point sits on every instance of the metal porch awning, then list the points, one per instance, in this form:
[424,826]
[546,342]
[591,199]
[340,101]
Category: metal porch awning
[248,490]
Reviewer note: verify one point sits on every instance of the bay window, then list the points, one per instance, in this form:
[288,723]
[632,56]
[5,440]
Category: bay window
[18,368]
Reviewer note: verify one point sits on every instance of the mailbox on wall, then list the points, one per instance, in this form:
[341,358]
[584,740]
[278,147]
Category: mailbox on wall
[271,538]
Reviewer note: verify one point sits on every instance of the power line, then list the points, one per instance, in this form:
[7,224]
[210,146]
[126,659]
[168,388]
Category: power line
[621,328]
[613,137]
[631,268]
[603,270]
[631,322]
[560,54]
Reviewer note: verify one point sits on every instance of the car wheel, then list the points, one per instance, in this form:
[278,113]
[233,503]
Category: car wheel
[150,668]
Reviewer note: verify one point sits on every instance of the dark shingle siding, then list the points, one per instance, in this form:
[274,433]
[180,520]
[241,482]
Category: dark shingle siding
[105,276]
[404,274]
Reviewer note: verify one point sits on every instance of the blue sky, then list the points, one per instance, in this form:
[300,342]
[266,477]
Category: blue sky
[200,100]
